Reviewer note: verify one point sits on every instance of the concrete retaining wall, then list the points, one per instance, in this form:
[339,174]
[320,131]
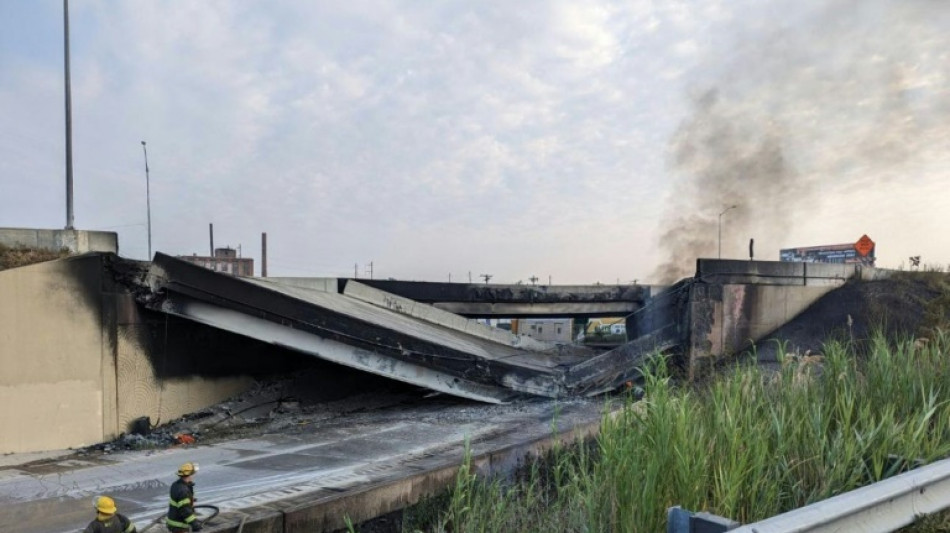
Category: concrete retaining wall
[736,303]
[76,241]
[53,358]
[141,392]
[74,369]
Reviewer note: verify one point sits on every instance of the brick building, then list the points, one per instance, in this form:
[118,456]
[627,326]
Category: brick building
[224,260]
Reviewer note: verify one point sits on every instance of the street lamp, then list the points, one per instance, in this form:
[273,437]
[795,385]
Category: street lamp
[148,202]
[69,119]
[720,227]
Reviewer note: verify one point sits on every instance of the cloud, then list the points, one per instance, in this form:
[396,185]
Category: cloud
[428,137]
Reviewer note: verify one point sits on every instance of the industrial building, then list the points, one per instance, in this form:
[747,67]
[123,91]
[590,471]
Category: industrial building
[224,260]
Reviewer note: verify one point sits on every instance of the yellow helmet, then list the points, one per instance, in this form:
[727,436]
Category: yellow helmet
[187,469]
[104,505]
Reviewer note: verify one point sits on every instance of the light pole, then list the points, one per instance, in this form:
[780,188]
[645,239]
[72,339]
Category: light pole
[148,202]
[69,119]
[720,227]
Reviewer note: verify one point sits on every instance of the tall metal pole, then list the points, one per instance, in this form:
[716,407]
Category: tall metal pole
[69,120]
[264,255]
[148,202]
[720,227]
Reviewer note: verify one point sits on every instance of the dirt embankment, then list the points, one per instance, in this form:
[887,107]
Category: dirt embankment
[907,305]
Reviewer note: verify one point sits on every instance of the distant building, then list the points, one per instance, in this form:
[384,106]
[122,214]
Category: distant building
[225,260]
[503,323]
[544,329]
[607,326]
[861,252]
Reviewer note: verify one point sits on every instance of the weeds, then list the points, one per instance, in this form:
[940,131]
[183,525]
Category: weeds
[748,446]
[17,256]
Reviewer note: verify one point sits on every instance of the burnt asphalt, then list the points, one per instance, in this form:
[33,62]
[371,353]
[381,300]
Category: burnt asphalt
[317,457]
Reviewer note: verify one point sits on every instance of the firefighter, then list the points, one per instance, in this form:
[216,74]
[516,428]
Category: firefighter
[181,509]
[108,519]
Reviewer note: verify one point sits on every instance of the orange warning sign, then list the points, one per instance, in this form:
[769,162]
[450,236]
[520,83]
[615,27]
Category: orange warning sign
[864,246]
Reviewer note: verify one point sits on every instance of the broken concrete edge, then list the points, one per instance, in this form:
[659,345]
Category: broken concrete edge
[319,512]
[336,352]
[183,289]
[170,279]
[610,370]
[428,313]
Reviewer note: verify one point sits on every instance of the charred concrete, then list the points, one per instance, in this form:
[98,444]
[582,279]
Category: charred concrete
[519,301]
[382,340]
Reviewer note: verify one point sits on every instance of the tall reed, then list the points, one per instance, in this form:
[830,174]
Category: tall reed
[747,445]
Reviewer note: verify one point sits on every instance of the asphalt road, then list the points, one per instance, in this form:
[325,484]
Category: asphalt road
[56,495]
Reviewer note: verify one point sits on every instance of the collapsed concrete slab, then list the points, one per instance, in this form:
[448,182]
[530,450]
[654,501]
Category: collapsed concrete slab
[384,335]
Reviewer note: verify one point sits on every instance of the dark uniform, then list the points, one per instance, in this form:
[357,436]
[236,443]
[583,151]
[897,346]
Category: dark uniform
[115,523]
[181,509]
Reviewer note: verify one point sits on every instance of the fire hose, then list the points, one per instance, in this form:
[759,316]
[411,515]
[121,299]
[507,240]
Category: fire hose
[212,508]
[214,512]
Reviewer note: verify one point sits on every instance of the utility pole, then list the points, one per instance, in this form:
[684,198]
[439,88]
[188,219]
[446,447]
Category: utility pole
[369,270]
[356,270]
[549,279]
[450,277]
[486,277]
[533,279]
[148,203]
[69,121]
[469,276]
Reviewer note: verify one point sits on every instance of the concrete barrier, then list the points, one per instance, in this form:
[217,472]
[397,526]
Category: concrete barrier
[76,241]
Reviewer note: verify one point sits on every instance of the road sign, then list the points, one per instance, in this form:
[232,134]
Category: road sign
[864,246]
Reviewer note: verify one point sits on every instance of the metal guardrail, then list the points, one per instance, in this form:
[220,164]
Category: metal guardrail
[884,506]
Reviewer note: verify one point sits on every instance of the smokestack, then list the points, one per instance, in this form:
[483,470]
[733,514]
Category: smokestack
[264,254]
[211,237]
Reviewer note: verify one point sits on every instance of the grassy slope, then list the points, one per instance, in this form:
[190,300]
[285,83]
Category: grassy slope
[18,256]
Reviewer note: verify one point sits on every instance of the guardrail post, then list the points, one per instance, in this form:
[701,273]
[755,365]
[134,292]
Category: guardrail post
[680,520]
[677,520]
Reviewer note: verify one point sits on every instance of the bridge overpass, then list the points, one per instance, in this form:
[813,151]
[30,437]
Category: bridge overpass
[480,300]
[119,340]
[115,348]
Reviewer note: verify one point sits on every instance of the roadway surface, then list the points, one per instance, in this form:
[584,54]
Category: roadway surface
[319,461]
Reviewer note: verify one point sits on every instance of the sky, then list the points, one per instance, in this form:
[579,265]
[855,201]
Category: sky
[579,141]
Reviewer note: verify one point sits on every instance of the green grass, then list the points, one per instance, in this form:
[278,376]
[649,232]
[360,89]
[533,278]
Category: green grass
[748,445]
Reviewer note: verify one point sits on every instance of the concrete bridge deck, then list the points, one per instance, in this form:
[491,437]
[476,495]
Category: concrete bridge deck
[380,335]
